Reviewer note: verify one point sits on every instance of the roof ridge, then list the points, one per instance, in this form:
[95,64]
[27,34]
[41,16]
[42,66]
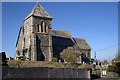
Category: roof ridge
[34,8]
[79,38]
[66,32]
[60,30]
[39,11]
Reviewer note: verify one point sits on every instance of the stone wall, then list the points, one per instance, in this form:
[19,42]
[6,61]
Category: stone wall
[44,72]
[20,43]
[42,45]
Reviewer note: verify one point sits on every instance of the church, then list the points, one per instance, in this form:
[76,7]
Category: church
[38,42]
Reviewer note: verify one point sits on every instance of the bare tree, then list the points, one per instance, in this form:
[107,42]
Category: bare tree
[70,54]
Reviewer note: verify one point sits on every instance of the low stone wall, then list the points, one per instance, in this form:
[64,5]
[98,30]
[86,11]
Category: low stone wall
[45,72]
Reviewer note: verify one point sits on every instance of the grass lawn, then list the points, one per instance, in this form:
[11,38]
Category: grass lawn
[23,64]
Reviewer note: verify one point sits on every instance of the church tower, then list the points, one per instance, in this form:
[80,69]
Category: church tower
[38,20]
[37,34]
[38,42]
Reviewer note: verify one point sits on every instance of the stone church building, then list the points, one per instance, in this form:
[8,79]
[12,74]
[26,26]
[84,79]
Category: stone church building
[38,42]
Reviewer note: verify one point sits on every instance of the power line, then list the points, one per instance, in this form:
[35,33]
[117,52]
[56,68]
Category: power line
[105,48]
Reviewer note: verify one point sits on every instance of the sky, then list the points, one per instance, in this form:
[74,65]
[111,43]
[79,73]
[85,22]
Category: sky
[96,22]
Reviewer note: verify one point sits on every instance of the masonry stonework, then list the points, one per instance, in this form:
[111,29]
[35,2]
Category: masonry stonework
[38,42]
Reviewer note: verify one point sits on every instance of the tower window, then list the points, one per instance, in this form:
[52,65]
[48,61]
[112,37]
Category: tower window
[42,25]
[41,28]
[38,28]
[45,27]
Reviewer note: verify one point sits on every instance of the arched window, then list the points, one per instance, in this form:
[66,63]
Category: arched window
[45,28]
[38,28]
[42,25]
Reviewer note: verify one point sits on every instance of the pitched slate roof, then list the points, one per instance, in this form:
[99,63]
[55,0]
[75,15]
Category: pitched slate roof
[61,33]
[78,41]
[38,11]
[81,43]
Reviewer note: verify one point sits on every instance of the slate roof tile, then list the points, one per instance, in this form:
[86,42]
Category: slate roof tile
[82,43]
[38,11]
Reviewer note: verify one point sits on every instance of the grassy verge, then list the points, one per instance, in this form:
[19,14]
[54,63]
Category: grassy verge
[23,64]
